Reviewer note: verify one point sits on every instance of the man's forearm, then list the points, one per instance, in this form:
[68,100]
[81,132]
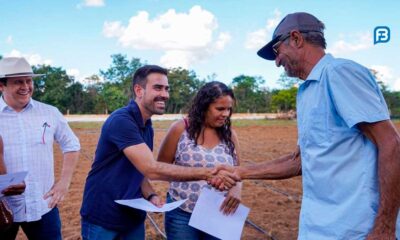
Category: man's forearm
[389,185]
[284,167]
[69,164]
[170,172]
[142,158]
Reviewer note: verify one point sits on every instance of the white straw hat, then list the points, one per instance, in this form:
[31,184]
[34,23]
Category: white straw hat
[16,67]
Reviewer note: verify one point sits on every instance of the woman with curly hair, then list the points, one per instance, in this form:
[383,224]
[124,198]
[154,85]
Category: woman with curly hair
[203,139]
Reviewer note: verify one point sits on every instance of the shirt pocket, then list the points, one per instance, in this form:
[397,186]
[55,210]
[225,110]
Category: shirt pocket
[317,130]
[43,135]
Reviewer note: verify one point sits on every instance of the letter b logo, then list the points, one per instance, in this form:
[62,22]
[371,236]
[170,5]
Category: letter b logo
[381,34]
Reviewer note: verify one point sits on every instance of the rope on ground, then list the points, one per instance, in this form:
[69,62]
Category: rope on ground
[274,189]
[270,187]
[258,228]
[156,227]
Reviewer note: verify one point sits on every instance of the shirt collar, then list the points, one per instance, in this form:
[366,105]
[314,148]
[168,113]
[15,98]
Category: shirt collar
[137,115]
[316,72]
[4,105]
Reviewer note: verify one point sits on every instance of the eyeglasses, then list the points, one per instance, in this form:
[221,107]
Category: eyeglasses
[275,47]
[282,38]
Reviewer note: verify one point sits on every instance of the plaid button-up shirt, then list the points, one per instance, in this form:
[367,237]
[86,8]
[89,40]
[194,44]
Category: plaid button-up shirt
[28,138]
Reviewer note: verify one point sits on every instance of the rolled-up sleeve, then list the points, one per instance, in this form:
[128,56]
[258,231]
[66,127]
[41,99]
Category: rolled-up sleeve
[64,135]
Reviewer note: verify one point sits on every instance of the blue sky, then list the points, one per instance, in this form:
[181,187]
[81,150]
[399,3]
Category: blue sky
[209,36]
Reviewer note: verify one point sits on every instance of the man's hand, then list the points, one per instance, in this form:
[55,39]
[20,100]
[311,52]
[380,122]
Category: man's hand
[156,201]
[14,189]
[57,193]
[232,200]
[224,177]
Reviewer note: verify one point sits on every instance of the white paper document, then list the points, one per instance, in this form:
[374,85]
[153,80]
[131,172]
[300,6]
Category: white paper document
[143,204]
[9,179]
[208,218]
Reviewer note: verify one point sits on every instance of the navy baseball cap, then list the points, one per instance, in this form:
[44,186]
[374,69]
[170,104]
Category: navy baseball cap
[301,21]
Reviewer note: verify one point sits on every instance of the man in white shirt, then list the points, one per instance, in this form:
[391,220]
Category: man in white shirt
[28,129]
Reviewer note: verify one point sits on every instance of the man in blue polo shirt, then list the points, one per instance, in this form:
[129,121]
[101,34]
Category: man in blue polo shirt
[124,161]
[348,149]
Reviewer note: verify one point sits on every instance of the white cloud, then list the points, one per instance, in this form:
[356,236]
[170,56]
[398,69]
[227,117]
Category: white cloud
[260,37]
[222,40]
[396,84]
[360,41]
[177,58]
[73,72]
[113,29]
[78,76]
[385,74]
[9,39]
[185,38]
[91,3]
[33,59]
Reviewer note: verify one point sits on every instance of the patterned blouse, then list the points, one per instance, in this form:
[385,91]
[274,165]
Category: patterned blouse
[191,155]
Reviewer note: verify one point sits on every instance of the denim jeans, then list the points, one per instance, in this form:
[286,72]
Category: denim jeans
[177,227]
[47,228]
[92,231]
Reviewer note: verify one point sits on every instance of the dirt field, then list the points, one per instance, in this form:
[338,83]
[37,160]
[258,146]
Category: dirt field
[274,205]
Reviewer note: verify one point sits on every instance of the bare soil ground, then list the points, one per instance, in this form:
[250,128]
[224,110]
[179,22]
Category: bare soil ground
[274,205]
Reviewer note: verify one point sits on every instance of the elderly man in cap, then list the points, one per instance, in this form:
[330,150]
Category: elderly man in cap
[348,149]
[29,128]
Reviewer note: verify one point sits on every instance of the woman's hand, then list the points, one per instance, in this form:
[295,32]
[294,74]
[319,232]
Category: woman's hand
[232,200]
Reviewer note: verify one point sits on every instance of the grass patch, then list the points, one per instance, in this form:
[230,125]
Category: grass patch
[166,124]
[98,125]
[236,123]
[86,125]
[263,122]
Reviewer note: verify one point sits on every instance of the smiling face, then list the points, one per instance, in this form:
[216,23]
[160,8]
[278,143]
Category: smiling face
[287,57]
[17,92]
[154,96]
[219,111]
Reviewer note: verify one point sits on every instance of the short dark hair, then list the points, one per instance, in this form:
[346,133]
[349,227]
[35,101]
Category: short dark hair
[140,76]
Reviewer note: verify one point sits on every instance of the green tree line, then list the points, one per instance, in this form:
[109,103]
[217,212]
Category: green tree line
[111,89]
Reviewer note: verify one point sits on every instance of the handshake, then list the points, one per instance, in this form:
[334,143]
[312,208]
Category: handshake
[224,177]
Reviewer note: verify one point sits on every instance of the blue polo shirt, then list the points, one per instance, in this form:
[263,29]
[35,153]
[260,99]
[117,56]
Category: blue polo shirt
[339,164]
[113,176]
